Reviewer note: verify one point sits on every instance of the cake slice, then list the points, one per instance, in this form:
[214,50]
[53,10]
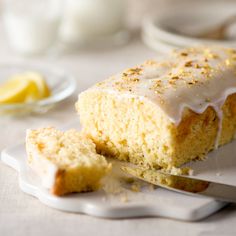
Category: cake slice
[65,161]
[164,113]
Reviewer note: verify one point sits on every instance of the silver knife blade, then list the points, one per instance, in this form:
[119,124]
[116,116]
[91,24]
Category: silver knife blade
[186,185]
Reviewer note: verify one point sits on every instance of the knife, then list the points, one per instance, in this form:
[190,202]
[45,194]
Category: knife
[186,185]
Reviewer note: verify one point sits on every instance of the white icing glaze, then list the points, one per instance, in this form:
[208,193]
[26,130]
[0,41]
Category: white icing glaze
[43,167]
[193,78]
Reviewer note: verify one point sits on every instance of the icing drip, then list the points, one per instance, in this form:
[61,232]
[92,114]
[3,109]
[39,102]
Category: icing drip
[220,119]
[193,78]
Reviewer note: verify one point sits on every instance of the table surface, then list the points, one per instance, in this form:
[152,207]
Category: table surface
[21,214]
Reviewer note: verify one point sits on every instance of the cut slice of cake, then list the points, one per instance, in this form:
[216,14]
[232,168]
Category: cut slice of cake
[164,112]
[65,161]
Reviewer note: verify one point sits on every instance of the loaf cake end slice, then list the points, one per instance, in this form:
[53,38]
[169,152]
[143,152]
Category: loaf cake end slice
[66,162]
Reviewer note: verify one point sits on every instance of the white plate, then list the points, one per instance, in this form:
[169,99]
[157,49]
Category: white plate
[147,202]
[172,28]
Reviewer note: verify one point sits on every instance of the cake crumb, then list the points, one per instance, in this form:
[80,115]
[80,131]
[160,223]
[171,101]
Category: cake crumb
[133,184]
[179,171]
[111,185]
[124,198]
[135,187]
[152,187]
[128,180]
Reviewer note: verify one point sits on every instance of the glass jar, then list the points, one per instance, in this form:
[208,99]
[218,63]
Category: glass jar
[32,25]
[90,21]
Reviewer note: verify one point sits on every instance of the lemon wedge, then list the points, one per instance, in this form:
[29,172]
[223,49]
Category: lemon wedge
[41,87]
[25,87]
[13,91]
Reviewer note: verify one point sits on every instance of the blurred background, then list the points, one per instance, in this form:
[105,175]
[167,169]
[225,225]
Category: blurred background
[32,27]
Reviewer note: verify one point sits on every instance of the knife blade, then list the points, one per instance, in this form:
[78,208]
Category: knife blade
[182,184]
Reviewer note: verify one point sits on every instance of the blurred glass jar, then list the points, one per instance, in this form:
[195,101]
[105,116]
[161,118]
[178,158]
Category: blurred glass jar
[88,21]
[32,25]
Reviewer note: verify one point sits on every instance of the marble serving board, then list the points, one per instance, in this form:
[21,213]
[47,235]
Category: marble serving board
[117,200]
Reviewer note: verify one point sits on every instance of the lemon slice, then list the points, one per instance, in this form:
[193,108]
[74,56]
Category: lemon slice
[14,91]
[25,87]
[39,87]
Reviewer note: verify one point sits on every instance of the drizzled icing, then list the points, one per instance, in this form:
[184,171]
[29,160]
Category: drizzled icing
[195,78]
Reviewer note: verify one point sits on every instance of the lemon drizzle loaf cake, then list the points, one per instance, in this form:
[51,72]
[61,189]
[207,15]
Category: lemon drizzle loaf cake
[164,113]
[66,161]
